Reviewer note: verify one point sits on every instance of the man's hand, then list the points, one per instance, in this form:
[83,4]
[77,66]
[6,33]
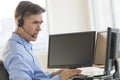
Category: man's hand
[66,73]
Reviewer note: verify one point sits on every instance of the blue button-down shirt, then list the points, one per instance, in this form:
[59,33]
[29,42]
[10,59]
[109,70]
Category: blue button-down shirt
[20,63]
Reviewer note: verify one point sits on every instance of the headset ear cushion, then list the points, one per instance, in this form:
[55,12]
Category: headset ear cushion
[20,22]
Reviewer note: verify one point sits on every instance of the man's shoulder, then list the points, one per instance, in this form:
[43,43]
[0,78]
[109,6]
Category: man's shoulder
[14,45]
[12,48]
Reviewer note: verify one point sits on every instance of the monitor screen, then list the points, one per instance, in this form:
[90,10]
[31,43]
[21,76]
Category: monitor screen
[71,50]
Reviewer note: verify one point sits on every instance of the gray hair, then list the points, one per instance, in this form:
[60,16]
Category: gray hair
[27,8]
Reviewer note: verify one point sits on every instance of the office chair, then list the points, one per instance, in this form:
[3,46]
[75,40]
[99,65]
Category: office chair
[3,73]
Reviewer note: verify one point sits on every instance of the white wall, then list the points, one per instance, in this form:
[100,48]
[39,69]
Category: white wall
[116,13]
[65,16]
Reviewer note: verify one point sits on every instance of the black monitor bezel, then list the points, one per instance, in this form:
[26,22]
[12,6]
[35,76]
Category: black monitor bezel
[109,56]
[70,66]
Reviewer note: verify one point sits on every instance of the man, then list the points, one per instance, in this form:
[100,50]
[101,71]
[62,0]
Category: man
[18,58]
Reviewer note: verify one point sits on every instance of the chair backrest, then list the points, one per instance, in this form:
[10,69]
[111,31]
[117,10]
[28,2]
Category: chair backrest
[3,73]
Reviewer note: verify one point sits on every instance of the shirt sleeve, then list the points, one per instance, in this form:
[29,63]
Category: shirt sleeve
[57,77]
[19,67]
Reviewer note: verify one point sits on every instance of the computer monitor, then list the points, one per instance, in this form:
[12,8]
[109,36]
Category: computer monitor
[107,51]
[71,50]
[112,52]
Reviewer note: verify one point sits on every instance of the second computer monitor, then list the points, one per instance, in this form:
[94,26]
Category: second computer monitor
[107,50]
[107,43]
[71,50]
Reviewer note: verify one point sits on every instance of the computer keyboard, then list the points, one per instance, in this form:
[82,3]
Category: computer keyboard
[92,71]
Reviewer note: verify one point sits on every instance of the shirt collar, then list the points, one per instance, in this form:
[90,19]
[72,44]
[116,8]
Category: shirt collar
[19,39]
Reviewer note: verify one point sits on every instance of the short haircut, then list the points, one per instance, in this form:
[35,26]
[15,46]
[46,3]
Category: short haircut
[27,8]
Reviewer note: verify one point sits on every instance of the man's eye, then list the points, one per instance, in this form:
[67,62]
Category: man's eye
[35,22]
[38,22]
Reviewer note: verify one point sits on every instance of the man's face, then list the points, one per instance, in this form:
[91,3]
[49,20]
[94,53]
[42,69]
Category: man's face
[32,25]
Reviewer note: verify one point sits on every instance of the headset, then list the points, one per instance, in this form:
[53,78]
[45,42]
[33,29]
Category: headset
[20,22]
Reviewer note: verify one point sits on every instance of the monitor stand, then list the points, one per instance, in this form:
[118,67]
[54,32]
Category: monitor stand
[116,74]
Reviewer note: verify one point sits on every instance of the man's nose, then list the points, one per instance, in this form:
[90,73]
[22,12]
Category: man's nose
[38,28]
